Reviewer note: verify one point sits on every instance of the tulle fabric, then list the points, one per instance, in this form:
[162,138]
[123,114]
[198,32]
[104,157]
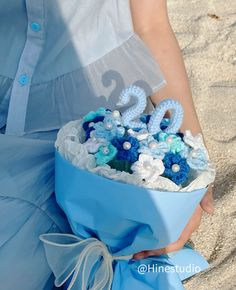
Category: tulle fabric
[100,83]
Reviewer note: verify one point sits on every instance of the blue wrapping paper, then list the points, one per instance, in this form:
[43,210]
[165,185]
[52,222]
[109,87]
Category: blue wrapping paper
[127,219]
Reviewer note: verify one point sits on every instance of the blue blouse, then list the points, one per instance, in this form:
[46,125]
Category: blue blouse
[60,59]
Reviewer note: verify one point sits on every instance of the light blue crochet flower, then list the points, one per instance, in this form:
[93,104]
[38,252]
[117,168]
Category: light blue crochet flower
[174,142]
[151,147]
[108,129]
[91,115]
[105,154]
[185,152]
[197,159]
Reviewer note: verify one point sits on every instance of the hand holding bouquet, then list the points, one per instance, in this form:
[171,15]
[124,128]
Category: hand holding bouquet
[127,182]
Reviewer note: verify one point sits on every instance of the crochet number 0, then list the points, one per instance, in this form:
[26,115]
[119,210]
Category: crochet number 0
[159,113]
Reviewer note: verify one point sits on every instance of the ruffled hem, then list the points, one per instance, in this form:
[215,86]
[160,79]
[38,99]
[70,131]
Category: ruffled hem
[70,96]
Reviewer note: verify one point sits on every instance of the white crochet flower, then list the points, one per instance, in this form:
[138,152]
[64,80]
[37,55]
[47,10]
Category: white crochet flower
[141,135]
[84,161]
[148,168]
[71,131]
[93,144]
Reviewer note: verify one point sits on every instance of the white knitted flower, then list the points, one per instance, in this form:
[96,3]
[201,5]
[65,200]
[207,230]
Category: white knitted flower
[84,161]
[71,131]
[148,168]
[93,144]
[141,135]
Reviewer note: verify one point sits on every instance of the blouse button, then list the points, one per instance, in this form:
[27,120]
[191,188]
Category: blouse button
[36,27]
[23,80]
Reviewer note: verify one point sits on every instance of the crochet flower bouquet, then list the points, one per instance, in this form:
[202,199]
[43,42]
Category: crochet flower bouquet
[127,182]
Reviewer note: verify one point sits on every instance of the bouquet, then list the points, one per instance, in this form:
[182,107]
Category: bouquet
[127,182]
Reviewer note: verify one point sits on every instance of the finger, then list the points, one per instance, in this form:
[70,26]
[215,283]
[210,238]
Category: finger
[192,225]
[207,202]
[141,255]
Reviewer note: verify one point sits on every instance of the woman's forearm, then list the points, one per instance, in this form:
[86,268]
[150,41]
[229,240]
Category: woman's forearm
[159,37]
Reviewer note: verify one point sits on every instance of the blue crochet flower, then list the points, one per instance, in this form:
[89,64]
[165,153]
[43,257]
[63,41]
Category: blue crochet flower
[145,118]
[176,168]
[127,148]
[174,142]
[164,123]
[91,115]
[108,129]
[185,152]
[151,147]
[105,154]
[88,126]
[197,159]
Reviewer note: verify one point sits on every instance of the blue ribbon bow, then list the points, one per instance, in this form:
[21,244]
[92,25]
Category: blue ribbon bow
[71,257]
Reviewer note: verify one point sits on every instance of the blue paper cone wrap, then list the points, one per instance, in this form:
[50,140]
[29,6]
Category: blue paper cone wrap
[111,221]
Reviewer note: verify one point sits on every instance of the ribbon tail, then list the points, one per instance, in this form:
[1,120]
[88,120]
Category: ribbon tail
[104,276]
[63,253]
[78,263]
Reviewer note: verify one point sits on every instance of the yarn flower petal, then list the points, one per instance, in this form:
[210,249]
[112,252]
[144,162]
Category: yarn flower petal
[93,144]
[108,129]
[176,168]
[127,148]
[195,142]
[174,142]
[105,154]
[197,159]
[91,115]
[88,126]
[148,168]
[152,147]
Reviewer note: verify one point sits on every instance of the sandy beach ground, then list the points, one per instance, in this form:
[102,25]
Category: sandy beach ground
[206,31]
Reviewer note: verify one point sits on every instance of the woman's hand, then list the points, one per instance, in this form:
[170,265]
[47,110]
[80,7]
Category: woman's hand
[193,224]
[207,202]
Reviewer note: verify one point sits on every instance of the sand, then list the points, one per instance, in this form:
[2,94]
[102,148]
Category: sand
[206,31]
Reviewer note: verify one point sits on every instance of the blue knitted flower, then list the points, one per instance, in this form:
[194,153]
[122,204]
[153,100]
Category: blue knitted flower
[108,129]
[174,142]
[197,159]
[127,148]
[105,154]
[151,147]
[176,168]
[91,115]
[88,126]
[145,118]
[164,123]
